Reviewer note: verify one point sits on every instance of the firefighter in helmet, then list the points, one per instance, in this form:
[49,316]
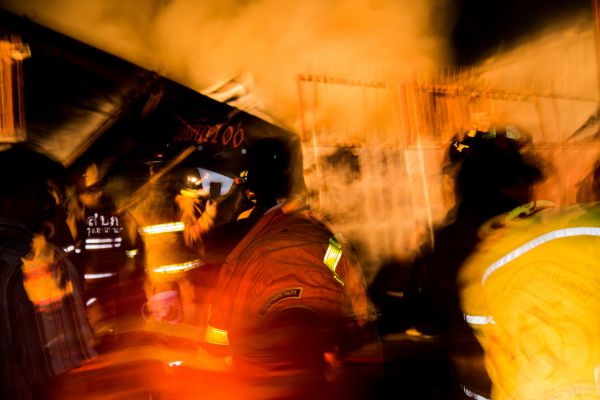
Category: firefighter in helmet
[290,310]
[182,217]
[493,171]
[530,294]
[105,246]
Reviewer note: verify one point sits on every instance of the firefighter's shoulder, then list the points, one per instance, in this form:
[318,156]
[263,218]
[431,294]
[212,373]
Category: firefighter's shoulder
[288,266]
[532,247]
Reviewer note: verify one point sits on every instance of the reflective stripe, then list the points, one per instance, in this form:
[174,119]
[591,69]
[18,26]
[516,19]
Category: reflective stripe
[99,276]
[332,257]
[472,394]
[216,336]
[333,254]
[69,249]
[173,268]
[162,228]
[102,246]
[103,240]
[102,243]
[175,363]
[91,301]
[131,253]
[479,319]
[558,234]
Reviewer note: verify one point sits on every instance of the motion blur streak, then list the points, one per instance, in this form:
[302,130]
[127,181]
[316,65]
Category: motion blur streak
[203,43]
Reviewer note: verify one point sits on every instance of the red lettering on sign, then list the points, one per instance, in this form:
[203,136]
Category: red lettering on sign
[204,129]
[189,133]
[227,136]
[215,132]
[202,133]
[197,136]
[238,138]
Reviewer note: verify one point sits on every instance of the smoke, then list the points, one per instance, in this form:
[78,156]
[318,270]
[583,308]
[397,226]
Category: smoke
[400,130]
[547,85]
[201,43]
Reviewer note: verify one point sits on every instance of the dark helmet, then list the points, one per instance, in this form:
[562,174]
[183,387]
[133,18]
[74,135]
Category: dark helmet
[33,182]
[269,169]
[88,178]
[493,171]
[23,167]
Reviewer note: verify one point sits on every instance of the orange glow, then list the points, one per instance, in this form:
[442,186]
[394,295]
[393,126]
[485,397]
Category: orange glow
[40,278]
[175,268]
[12,106]
[216,336]
[368,76]
[162,228]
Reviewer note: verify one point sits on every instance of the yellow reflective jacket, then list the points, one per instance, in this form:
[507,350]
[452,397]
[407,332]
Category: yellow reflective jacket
[531,292]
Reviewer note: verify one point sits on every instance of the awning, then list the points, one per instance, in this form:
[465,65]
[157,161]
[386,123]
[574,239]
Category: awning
[84,105]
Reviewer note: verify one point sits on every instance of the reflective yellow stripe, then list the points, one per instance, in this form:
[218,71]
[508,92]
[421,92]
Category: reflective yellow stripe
[333,256]
[216,336]
[175,268]
[131,253]
[162,228]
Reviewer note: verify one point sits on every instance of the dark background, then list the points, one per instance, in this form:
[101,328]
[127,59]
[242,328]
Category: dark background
[484,27]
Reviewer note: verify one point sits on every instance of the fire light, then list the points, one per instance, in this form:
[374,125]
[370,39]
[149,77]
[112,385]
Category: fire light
[162,228]
[181,267]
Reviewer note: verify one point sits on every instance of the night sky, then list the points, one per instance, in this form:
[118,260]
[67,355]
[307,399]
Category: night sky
[484,27]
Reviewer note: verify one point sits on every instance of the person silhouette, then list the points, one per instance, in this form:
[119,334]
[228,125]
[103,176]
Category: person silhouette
[290,315]
[44,331]
[493,172]
[530,294]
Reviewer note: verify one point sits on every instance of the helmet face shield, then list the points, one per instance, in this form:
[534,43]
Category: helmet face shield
[206,183]
[214,183]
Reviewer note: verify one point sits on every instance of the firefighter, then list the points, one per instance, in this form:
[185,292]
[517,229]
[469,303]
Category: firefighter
[493,171]
[531,295]
[290,313]
[176,214]
[105,246]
